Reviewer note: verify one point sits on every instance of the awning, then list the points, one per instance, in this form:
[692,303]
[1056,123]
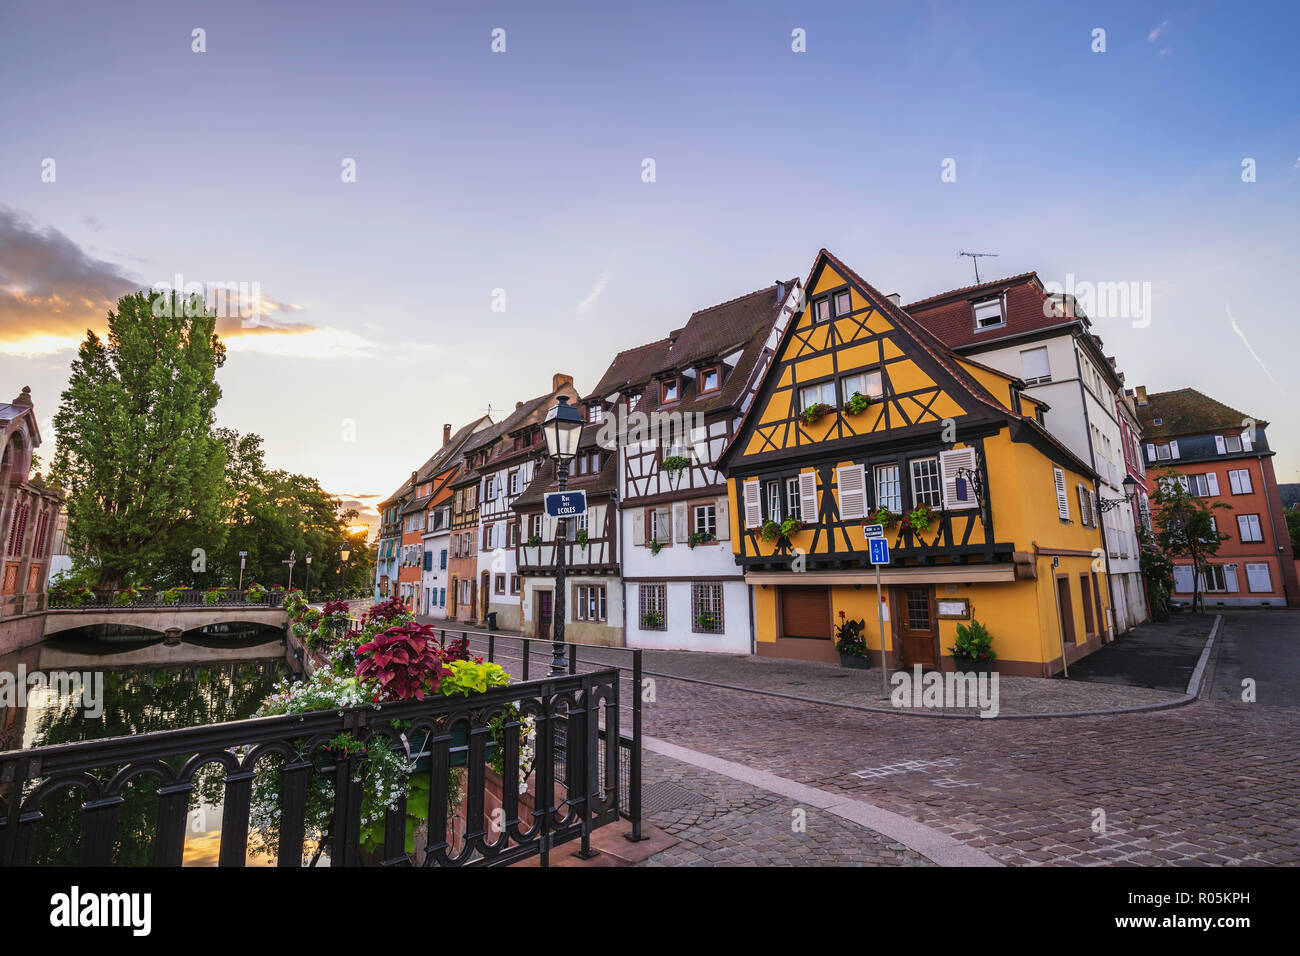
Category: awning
[932,574]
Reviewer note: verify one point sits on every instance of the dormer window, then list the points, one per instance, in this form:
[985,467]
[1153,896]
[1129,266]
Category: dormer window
[1157,421]
[989,314]
[710,379]
[843,303]
[822,309]
[669,391]
[633,401]
[595,413]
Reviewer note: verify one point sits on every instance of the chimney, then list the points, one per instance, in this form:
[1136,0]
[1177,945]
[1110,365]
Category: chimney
[518,405]
[895,298]
[1142,395]
[780,291]
[559,380]
[446,433]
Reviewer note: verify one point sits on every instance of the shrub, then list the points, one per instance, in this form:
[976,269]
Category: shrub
[973,644]
[404,661]
[850,637]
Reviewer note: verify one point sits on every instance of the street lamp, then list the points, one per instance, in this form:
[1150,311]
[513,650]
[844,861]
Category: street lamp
[242,556]
[291,561]
[307,587]
[344,553]
[1130,487]
[562,428]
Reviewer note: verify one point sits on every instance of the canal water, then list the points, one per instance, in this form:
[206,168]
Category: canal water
[218,674]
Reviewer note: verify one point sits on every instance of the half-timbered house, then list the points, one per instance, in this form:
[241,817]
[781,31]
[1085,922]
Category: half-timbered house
[593,598]
[864,416]
[669,408]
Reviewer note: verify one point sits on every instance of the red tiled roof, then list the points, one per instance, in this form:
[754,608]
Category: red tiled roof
[950,315]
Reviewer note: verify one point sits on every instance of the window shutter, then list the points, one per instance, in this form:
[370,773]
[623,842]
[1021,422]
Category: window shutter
[950,462]
[1183,578]
[1083,505]
[853,491]
[1246,444]
[808,497]
[1173,449]
[753,504]
[1219,445]
[638,528]
[1230,578]
[679,521]
[1062,499]
[1258,578]
[724,519]
[1092,507]
[1212,480]
[1151,452]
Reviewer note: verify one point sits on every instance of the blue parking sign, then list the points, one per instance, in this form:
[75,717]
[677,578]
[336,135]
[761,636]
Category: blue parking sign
[879,550]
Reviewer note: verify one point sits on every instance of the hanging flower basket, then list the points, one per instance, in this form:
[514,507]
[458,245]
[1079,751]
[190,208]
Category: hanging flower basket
[815,413]
[857,404]
[770,531]
[921,518]
[885,518]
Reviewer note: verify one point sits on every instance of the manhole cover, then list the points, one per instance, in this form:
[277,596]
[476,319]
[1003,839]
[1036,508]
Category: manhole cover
[669,796]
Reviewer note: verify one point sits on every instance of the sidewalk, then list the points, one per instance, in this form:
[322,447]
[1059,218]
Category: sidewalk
[1159,656]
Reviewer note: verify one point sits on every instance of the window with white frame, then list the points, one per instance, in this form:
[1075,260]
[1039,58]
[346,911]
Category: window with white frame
[1036,369]
[1199,486]
[1239,480]
[514,584]
[889,489]
[652,607]
[988,314]
[792,499]
[489,537]
[866,384]
[1213,579]
[706,608]
[822,309]
[595,413]
[1232,442]
[774,501]
[706,520]
[1250,528]
[810,395]
[843,303]
[514,482]
[927,489]
[590,603]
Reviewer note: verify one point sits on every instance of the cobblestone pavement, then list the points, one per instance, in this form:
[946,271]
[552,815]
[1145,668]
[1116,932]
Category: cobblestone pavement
[1212,783]
[723,822]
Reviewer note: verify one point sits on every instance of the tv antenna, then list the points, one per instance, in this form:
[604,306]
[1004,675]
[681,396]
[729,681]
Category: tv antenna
[975,258]
[489,409]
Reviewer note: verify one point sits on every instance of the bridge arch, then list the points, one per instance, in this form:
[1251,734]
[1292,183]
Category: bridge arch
[163,620]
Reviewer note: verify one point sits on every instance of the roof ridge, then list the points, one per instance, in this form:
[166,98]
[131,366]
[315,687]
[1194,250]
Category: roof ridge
[971,288]
[746,295]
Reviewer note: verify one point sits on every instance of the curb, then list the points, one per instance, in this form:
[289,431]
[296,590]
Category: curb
[932,844]
[1198,675]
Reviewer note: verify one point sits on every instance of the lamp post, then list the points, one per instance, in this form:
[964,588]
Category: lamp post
[344,553]
[242,556]
[307,587]
[291,561]
[562,428]
[1130,486]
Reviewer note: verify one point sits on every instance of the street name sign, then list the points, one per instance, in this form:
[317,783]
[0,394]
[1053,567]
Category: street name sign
[566,504]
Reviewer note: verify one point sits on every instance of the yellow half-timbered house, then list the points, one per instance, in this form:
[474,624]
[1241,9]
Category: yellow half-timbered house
[865,417]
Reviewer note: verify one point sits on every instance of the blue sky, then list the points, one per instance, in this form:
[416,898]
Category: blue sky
[521,171]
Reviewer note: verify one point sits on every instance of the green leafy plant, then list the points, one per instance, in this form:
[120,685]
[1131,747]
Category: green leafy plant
[791,526]
[256,593]
[652,619]
[127,596]
[534,540]
[706,621]
[857,404]
[674,465]
[582,538]
[769,531]
[973,644]
[920,518]
[214,595]
[173,594]
[655,546]
[815,412]
[79,597]
[850,637]
[698,537]
[884,517]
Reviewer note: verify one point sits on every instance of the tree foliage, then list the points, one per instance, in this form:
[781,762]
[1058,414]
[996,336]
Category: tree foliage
[1185,527]
[136,450]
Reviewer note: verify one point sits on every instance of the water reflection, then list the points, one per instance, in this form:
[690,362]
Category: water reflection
[217,674]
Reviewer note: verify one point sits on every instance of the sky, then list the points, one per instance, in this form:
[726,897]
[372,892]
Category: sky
[434,226]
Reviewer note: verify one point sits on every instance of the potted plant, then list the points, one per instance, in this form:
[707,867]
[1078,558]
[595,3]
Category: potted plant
[674,465]
[127,597]
[173,594]
[972,649]
[884,517]
[214,595]
[256,593]
[851,642]
[534,540]
[770,531]
[920,518]
[582,538]
[706,621]
[79,597]
[698,537]
[652,619]
[814,413]
[791,526]
[655,546]
[857,404]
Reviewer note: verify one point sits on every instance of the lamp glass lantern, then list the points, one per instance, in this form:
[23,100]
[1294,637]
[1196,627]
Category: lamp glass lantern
[562,428]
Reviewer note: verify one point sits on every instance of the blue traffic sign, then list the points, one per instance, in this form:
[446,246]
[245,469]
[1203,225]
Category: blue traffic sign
[566,504]
[879,550]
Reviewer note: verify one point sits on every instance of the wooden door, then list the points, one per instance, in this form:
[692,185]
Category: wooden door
[542,614]
[1066,609]
[486,594]
[806,612]
[1096,598]
[917,631]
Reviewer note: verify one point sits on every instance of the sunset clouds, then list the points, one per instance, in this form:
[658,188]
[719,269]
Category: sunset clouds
[52,291]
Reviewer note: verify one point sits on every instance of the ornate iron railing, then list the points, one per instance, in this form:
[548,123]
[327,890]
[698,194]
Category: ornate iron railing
[575,783]
[100,600]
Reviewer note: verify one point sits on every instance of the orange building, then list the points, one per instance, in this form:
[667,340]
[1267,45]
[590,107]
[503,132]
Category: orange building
[1222,455]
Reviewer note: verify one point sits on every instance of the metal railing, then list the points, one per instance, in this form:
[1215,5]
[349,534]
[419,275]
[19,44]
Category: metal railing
[568,712]
[629,746]
[101,600]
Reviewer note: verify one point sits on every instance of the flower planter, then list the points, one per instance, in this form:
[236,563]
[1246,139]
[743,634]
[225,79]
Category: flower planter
[854,662]
[420,744]
[973,667]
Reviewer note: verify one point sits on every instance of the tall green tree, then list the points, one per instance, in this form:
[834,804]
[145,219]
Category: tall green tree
[1185,527]
[137,452]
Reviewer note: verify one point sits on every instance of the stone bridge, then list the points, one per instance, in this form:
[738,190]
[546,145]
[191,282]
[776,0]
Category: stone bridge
[172,621]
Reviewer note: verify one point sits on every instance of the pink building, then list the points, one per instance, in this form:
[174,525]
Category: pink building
[29,514]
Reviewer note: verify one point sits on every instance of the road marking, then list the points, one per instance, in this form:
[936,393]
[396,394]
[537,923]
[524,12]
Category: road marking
[925,840]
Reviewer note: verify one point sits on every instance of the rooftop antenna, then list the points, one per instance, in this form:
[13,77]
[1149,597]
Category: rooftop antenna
[975,260]
[489,409]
